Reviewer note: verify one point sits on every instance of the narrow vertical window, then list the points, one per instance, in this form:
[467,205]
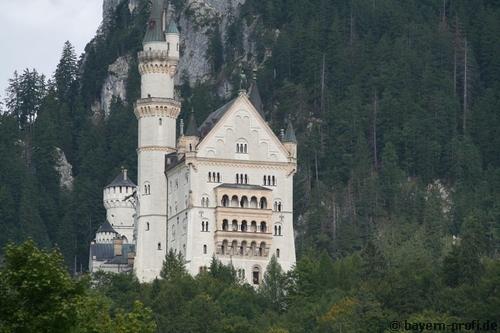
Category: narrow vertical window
[204,249]
[277,253]
[159,246]
[147,226]
[160,121]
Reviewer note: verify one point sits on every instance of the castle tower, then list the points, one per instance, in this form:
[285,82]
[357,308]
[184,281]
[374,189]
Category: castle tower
[156,112]
[120,208]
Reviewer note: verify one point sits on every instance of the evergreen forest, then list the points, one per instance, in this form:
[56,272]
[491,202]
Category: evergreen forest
[396,107]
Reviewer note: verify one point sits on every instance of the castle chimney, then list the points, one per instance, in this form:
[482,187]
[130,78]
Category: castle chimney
[118,246]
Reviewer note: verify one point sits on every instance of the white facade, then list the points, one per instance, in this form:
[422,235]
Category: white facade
[225,192]
[232,160]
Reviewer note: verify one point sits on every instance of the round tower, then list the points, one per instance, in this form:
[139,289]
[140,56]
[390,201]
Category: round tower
[156,112]
[105,234]
[119,204]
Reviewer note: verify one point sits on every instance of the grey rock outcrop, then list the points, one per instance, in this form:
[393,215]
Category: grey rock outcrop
[65,170]
[115,84]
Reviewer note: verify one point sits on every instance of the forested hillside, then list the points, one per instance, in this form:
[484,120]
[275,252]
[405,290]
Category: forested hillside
[396,105]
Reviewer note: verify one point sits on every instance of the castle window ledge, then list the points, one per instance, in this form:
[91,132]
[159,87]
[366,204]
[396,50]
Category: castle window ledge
[220,235]
[246,212]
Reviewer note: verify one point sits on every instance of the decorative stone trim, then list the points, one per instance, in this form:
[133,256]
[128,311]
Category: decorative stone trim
[244,163]
[157,107]
[156,148]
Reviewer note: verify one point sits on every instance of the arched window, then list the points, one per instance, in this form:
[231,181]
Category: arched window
[279,230]
[253,226]
[147,226]
[265,182]
[235,225]
[263,226]
[246,148]
[256,275]
[263,203]
[209,177]
[203,226]
[244,226]
[237,148]
[159,245]
[224,246]
[253,248]
[277,253]
[160,121]
[246,179]
[243,248]
[234,201]
[225,225]
[237,178]
[274,181]
[262,249]
[204,249]
[244,202]
[253,202]
[279,206]
[269,180]
[234,247]
[225,201]
[206,226]
[218,177]
[275,229]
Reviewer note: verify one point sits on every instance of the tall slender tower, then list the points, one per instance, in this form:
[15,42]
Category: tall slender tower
[156,112]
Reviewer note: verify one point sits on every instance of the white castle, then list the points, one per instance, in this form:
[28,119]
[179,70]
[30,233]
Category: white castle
[222,189]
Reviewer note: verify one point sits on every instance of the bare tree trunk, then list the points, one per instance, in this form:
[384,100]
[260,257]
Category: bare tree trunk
[465,87]
[351,27]
[323,85]
[374,130]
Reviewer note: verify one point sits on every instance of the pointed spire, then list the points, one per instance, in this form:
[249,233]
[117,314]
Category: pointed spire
[290,133]
[154,32]
[192,128]
[172,27]
[254,94]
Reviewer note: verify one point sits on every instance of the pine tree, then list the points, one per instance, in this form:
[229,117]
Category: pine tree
[66,73]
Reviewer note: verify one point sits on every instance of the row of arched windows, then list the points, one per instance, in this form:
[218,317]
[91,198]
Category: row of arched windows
[243,249]
[214,177]
[241,148]
[269,180]
[244,202]
[241,178]
[120,189]
[244,226]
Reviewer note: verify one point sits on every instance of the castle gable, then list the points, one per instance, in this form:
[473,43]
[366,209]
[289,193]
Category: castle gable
[237,131]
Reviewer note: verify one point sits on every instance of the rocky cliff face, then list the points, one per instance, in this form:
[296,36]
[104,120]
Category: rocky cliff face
[197,20]
[115,83]
[64,169]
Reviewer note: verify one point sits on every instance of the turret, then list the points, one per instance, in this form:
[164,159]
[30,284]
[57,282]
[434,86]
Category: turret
[117,199]
[190,138]
[105,234]
[254,95]
[290,141]
[172,38]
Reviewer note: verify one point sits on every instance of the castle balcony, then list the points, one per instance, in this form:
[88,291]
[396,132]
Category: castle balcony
[243,244]
[157,107]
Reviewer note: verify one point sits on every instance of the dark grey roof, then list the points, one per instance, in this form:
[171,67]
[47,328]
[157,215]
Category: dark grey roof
[154,32]
[214,117]
[192,128]
[244,186]
[123,259]
[122,180]
[172,28]
[102,252]
[290,133]
[106,227]
[172,160]
[254,96]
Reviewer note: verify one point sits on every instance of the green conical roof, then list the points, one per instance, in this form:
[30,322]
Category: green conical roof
[290,133]
[192,129]
[172,28]
[154,32]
